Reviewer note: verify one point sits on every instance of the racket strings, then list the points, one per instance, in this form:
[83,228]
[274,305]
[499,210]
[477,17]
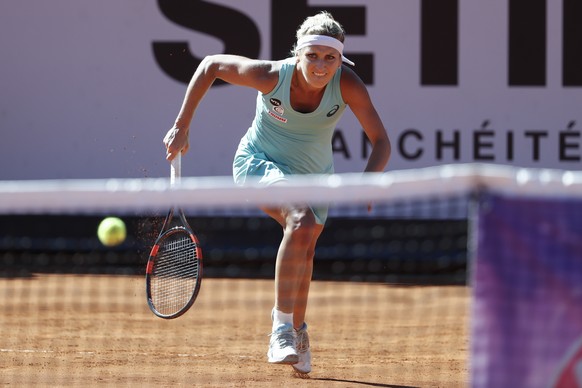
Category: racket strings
[175,274]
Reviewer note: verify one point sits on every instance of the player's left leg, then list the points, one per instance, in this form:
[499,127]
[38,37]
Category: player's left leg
[302,343]
[300,306]
[303,347]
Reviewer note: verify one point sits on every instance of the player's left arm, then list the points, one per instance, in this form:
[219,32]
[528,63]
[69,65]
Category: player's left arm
[356,96]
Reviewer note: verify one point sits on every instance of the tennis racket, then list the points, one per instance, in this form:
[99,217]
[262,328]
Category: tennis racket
[174,269]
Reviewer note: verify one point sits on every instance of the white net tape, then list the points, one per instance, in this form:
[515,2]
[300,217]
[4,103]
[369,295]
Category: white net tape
[129,195]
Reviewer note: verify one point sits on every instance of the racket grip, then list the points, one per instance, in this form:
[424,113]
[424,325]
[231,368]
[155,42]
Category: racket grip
[176,169]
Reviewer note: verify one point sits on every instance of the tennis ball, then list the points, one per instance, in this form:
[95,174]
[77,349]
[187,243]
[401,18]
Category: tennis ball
[111,231]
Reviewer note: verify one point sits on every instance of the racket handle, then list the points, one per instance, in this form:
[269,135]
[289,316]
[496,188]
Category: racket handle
[176,169]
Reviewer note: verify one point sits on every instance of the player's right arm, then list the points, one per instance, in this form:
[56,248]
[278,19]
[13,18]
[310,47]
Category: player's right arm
[257,74]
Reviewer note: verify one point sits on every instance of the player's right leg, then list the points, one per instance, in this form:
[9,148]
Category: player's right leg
[299,233]
[282,346]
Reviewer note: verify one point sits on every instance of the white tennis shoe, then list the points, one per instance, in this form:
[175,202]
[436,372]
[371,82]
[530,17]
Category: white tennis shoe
[282,345]
[303,350]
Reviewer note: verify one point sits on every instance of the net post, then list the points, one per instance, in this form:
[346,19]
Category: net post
[475,201]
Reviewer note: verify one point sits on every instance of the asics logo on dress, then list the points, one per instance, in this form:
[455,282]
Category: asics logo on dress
[333,111]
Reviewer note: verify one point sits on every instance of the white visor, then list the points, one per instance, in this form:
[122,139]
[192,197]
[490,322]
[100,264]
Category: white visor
[323,40]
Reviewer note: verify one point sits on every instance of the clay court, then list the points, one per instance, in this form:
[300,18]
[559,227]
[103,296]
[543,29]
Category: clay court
[96,330]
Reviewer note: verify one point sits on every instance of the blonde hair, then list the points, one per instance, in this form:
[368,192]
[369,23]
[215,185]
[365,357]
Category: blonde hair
[320,24]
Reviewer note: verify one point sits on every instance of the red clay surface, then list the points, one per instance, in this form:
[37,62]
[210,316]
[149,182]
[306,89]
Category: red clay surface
[71,330]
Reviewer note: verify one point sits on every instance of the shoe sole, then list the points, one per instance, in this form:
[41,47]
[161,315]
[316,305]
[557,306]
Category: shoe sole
[288,360]
[303,372]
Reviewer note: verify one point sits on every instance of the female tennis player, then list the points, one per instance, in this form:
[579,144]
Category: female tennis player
[299,102]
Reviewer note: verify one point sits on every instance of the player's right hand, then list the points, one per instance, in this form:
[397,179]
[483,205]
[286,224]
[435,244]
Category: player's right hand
[176,141]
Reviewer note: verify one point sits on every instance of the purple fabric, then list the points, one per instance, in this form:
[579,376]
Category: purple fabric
[527,290]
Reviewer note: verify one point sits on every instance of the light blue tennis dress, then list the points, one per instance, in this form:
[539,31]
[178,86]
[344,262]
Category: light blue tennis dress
[283,142]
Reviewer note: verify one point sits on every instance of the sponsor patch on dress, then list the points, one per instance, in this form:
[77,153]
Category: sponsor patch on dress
[277,117]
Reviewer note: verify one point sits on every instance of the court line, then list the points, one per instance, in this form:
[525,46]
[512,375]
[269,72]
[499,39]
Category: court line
[3,350]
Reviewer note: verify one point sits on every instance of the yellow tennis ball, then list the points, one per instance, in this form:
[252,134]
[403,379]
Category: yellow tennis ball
[111,231]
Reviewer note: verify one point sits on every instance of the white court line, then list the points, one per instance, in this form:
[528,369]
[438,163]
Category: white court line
[26,351]
[90,353]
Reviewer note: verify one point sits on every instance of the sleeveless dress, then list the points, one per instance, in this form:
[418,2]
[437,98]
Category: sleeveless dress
[283,142]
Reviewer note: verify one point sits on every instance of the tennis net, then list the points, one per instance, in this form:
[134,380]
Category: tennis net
[441,283]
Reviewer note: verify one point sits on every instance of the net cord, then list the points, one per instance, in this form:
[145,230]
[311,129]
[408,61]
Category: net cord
[133,195]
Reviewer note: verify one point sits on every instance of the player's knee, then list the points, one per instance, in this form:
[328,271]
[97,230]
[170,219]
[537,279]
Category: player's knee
[300,222]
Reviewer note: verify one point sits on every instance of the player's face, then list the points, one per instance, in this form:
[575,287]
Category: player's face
[318,64]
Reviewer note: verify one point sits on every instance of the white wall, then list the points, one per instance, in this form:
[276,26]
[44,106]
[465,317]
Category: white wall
[81,94]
